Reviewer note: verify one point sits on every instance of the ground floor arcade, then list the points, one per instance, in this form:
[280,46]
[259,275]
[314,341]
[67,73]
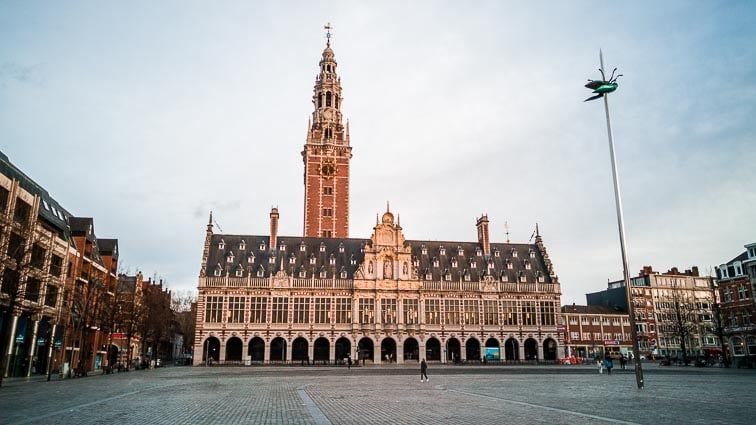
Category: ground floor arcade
[259,349]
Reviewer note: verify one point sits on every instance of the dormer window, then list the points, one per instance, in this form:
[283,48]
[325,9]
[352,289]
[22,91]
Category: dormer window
[504,277]
[218,271]
[442,251]
[230,257]
[541,278]
[532,253]
[435,262]
[239,272]
[514,253]
[302,272]
[460,252]
[322,247]
[428,276]
[302,247]
[282,247]
[251,258]
[322,273]
[292,260]
[447,275]
[343,273]
[260,272]
[332,260]
[341,248]
[473,265]
[510,266]
[496,253]
[478,252]
[262,246]
[523,278]
[221,244]
[467,277]
[527,265]
[352,260]
[424,250]
[313,260]
[490,264]
[272,260]
[454,263]
[242,245]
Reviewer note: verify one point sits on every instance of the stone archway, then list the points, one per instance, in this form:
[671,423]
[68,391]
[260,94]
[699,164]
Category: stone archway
[212,349]
[531,349]
[453,350]
[388,350]
[234,348]
[433,350]
[511,349]
[321,349]
[493,350]
[549,349]
[299,350]
[411,349]
[343,349]
[366,350]
[256,349]
[278,349]
[472,349]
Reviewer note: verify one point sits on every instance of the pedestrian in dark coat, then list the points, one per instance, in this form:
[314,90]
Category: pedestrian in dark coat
[608,364]
[423,370]
[623,361]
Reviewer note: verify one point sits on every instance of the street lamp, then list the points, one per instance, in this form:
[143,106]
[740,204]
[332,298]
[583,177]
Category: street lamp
[602,88]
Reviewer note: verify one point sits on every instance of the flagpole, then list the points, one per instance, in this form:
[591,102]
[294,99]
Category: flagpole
[621,225]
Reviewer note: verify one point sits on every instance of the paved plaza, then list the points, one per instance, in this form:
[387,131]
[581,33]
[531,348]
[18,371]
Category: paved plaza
[385,395]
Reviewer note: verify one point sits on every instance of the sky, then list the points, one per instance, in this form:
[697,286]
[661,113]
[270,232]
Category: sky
[147,115]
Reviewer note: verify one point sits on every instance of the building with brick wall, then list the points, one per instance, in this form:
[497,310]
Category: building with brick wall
[736,281]
[674,311]
[592,331]
[326,297]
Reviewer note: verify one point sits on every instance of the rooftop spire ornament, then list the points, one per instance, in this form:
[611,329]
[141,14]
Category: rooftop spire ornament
[602,86]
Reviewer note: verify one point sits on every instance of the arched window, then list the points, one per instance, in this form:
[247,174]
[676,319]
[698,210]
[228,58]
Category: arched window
[328,99]
[320,100]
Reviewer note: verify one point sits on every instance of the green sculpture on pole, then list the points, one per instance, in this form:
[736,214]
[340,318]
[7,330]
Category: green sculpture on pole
[603,86]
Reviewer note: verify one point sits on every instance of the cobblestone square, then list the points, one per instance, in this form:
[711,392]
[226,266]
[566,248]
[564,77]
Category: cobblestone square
[385,395]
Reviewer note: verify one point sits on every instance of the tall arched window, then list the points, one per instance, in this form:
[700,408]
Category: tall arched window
[320,100]
[328,99]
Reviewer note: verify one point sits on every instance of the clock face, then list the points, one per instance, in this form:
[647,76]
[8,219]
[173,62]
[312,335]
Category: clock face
[328,170]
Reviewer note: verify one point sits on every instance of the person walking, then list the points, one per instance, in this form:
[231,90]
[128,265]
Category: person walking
[600,365]
[623,361]
[349,362]
[608,364]
[423,370]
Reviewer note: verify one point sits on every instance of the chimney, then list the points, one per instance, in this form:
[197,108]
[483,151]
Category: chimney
[273,228]
[694,271]
[483,239]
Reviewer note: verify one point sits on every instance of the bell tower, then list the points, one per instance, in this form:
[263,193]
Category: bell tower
[326,155]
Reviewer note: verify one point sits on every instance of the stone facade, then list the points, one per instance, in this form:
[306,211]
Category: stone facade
[325,297]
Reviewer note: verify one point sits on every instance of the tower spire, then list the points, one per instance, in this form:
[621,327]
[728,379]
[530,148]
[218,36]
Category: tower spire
[328,29]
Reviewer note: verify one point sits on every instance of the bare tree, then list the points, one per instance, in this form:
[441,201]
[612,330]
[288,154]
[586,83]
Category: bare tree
[22,280]
[184,306]
[680,321]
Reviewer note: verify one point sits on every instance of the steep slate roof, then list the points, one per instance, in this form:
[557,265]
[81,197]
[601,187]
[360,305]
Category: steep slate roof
[348,260]
[50,210]
[107,246]
[232,258]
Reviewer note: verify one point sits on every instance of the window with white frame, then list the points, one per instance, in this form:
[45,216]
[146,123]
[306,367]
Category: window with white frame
[490,312]
[323,273]
[471,312]
[343,310]
[260,272]
[292,259]
[411,311]
[435,262]
[213,309]
[510,315]
[302,247]
[242,245]
[313,260]
[251,259]
[529,313]
[454,263]
[301,310]
[230,258]
[302,272]
[218,270]
[388,311]
[236,309]
[258,309]
[239,272]
[343,274]
[424,250]
[442,251]
[262,246]
[367,310]
[221,244]
[322,310]
[451,313]
[432,311]
[280,310]
[332,260]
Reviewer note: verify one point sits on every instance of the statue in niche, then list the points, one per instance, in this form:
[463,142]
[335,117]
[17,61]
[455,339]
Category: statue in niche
[370,267]
[387,269]
[404,268]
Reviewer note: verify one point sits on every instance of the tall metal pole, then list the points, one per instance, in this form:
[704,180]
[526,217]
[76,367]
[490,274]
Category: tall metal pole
[621,225]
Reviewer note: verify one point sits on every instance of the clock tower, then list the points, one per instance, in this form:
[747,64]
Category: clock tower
[326,156]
